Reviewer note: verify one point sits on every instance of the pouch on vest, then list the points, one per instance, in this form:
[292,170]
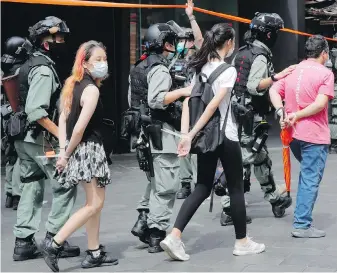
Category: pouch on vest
[210,137]
[130,123]
[155,133]
[16,126]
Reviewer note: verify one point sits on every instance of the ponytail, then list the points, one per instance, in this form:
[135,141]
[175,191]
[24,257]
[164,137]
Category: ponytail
[206,52]
[213,41]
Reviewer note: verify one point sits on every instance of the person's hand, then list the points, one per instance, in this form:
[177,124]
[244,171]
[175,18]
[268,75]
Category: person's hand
[184,146]
[291,119]
[282,115]
[189,9]
[283,123]
[187,91]
[61,163]
[284,73]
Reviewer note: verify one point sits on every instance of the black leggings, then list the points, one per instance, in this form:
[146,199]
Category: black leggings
[229,153]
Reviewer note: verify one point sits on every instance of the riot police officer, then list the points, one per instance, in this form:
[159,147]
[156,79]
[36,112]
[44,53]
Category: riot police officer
[150,85]
[39,90]
[16,52]
[182,76]
[251,105]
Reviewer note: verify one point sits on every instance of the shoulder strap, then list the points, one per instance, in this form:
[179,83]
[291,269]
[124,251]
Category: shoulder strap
[217,72]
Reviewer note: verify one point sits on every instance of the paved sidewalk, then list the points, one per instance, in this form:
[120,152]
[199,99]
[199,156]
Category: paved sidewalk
[209,244]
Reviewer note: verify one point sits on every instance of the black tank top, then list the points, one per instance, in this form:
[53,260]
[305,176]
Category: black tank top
[93,130]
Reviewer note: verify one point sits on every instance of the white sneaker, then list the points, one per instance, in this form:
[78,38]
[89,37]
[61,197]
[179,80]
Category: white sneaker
[250,247]
[175,248]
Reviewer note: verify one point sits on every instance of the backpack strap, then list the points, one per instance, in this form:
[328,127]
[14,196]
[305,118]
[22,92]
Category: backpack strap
[217,72]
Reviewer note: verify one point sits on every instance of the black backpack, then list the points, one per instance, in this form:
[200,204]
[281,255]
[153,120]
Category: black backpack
[210,137]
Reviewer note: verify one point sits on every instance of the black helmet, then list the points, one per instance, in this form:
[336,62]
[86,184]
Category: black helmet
[157,35]
[186,34]
[49,26]
[16,52]
[266,22]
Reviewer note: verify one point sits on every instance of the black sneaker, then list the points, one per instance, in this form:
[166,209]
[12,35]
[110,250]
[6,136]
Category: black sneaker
[103,259]
[51,256]
[16,200]
[9,200]
[25,249]
[184,192]
[67,251]
[226,219]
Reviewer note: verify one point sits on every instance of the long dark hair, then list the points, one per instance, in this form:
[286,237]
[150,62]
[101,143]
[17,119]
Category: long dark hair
[214,40]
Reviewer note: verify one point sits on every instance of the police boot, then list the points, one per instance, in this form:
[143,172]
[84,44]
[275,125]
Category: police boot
[226,218]
[280,206]
[16,200]
[9,200]
[25,249]
[67,250]
[185,191]
[140,229]
[156,236]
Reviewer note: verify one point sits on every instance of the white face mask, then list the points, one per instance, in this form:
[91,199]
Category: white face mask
[99,70]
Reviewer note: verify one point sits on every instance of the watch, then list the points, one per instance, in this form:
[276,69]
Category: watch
[273,78]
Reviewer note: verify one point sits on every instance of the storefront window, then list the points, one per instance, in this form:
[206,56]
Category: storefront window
[142,19]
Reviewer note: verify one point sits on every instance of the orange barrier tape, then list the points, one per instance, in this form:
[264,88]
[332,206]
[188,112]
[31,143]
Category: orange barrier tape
[92,4]
[127,5]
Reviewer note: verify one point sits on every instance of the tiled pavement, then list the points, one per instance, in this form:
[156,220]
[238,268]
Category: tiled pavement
[209,244]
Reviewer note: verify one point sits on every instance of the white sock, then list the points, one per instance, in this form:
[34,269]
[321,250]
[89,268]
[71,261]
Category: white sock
[96,253]
[55,245]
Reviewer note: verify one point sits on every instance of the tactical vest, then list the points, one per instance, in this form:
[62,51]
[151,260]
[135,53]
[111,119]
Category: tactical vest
[32,62]
[181,74]
[138,79]
[243,63]
[139,90]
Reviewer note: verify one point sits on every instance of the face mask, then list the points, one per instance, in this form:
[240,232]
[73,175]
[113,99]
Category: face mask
[170,56]
[230,52]
[100,70]
[272,41]
[181,48]
[57,50]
